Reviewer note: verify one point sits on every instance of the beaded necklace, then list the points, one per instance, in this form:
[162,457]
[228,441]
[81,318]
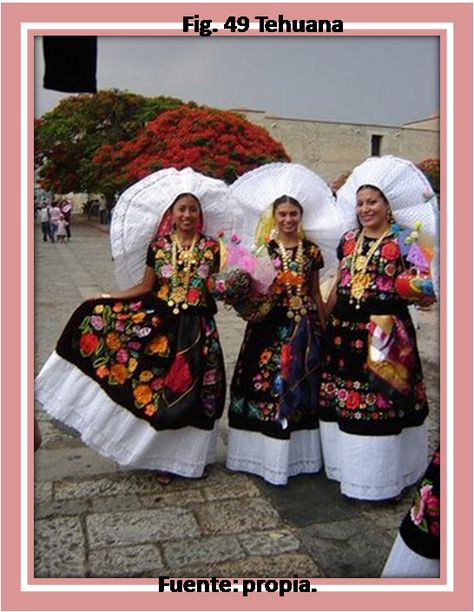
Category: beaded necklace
[360,279]
[296,308]
[183,256]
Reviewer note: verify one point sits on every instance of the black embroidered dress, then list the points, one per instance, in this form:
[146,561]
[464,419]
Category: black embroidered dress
[144,386]
[372,399]
[273,414]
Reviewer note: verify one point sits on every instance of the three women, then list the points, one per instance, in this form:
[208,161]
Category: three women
[147,372]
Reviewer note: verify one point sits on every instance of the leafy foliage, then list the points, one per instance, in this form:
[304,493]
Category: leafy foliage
[67,137]
[217,143]
[430,167]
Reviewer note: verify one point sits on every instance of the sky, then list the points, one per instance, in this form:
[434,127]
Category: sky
[374,80]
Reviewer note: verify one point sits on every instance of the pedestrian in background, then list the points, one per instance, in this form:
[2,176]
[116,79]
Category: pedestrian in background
[54,214]
[44,216]
[66,210]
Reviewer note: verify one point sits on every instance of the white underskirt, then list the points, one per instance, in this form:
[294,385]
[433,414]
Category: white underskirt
[273,459]
[76,400]
[374,467]
[403,562]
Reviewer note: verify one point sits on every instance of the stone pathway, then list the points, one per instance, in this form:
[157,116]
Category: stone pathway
[94,519]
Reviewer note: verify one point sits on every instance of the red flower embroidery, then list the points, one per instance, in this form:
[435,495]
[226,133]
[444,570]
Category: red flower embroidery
[390,251]
[285,360]
[88,343]
[352,400]
[348,247]
[179,377]
[193,295]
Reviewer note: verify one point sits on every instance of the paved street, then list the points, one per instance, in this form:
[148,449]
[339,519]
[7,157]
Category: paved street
[93,519]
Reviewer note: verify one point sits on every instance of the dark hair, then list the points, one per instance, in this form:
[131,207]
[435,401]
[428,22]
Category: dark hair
[182,195]
[284,199]
[379,191]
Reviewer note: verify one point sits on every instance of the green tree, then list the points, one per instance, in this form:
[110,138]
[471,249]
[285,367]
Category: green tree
[67,137]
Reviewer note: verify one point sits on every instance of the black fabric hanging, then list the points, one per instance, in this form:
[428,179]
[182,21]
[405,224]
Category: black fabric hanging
[70,63]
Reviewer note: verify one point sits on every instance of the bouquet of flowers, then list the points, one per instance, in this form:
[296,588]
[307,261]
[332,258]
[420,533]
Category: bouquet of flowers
[415,284]
[244,279]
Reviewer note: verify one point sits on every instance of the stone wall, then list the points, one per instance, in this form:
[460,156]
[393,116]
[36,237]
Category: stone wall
[330,148]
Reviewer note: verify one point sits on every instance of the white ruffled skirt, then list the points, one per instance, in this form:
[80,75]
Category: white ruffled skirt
[403,562]
[273,459]
[374,468]
[76,400]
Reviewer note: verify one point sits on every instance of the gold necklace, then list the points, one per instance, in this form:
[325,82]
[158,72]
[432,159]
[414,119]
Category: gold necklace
[180,255]
[296,308]
[360,278]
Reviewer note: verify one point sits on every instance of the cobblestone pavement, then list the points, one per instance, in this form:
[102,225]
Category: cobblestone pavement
[94,519]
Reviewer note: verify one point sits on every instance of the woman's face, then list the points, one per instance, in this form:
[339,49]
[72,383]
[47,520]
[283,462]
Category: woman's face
[186,214]
[372,209]
[287,218]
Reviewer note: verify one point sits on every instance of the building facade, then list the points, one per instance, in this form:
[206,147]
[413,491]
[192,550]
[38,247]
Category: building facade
[331,149]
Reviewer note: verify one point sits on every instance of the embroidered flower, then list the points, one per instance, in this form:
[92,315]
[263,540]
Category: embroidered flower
[390,251]
[338,340]
[345,277]
[359,344]
[88,344]
[134,306]
[166,270]
[381,402]
[117,307]
[276,262]
[138,317]
[141,332]
[390,269]
[146,376]
[348,247]
[370,398]
[159,345]
[132,364]
[118,373]
[210,377]
[150,410]
[384,283]
[142,394]
[112,340]
[265,356]
[203,271]
[97,322]
[99,308]
[122,356]
[353,400]
[330,389]
[193,295]
[342,394]
[133,345]
[102,371]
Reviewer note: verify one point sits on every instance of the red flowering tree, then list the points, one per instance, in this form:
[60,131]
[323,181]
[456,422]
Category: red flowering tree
[217,143]
[430,167]
[67,137]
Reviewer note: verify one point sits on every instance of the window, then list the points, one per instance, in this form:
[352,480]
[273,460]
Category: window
[375,144]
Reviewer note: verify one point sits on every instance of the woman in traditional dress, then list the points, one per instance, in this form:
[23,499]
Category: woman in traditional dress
[273,412]
[139,373]
[373,404]
[416,550]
